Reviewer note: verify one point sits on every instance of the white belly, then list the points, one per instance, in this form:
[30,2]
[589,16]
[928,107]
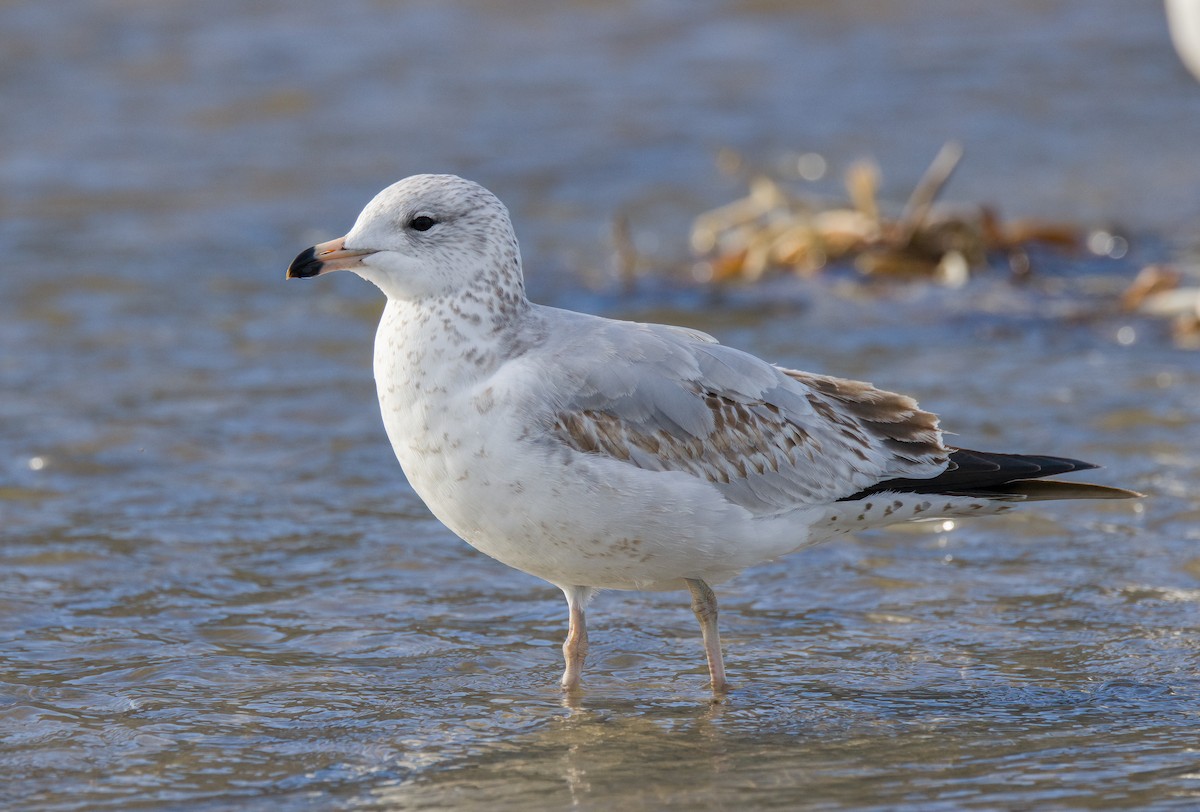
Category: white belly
[569,518]
[474,449]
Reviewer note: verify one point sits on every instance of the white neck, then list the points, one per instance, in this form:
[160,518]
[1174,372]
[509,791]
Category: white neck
[431,356]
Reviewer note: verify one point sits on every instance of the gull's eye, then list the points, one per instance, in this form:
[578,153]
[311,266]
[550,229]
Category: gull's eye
[422,223]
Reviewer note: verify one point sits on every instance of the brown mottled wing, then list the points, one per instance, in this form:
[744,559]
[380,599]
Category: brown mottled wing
[768,438]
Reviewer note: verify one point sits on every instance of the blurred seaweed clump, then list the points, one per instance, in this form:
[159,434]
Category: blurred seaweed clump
[1163,292]
[772,229]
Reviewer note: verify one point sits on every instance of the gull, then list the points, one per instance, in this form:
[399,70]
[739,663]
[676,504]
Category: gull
[1183,22]
[597,454]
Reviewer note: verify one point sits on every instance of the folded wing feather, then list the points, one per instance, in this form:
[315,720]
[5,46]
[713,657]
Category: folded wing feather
[769,439]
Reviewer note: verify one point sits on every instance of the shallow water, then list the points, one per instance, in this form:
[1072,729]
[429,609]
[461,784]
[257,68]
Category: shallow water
[216,590]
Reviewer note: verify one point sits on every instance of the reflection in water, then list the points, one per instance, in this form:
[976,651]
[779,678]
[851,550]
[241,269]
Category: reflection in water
[216,591]
[757,748]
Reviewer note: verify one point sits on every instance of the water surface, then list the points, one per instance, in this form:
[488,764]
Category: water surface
[216,589]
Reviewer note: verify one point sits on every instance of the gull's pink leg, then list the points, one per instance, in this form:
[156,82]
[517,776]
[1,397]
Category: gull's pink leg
[704,604]
[576,645]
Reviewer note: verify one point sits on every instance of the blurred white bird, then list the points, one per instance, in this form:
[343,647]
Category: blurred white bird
[1183,20]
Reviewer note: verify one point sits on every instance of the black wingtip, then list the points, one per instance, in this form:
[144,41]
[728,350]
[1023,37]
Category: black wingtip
[982,473]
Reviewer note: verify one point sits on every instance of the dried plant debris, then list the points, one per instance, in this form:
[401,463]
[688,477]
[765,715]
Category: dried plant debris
[772,229]
[1161,291]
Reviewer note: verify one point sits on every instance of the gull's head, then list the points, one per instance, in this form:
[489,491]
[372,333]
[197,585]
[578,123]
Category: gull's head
[427,235]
